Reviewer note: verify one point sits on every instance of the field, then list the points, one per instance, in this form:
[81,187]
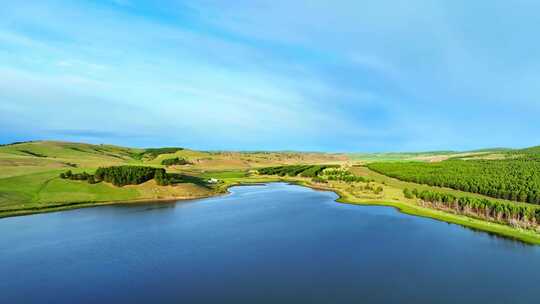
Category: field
[434,156]
[30,177]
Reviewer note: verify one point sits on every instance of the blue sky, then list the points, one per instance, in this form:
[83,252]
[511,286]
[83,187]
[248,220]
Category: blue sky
[277,75]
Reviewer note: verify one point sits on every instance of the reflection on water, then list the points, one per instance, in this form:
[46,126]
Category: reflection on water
[154,206]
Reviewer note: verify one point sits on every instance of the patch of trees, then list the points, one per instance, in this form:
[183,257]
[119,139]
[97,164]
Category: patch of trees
[516,179]
[17,143]
[343,175]
[295,170]
[503,212]
[152,153]
[283,170]
[32,153]
[78,176]
[407,193]
[118,176]
[369,187]
[132,175]
[164,179]
[78,149]
[314,171]
[126,175]
[532,153]
[319,180]
[376,190]
[348,178]
[174,161]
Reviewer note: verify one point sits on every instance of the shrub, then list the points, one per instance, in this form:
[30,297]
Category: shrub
[408,193]
[319,180]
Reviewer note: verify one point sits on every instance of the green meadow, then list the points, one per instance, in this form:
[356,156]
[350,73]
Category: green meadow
[30,177]
[30,173]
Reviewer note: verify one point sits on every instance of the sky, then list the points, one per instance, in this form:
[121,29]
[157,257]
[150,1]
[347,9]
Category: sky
[336,76]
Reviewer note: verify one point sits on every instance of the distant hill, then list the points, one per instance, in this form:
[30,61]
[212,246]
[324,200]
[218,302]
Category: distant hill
[498,149]
[530,150]
[18,157]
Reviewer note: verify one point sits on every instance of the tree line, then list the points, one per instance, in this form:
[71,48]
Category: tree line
[295,170]
[511,179]
[32,153]
[131,175]
[152,153]
[503,212]
[126,175]
[78,176]
[174,161]
[163,178]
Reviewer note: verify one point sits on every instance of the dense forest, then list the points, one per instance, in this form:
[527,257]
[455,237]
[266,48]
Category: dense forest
[126,175]
[516,179]
[524,216]
[295,170]
[132,175]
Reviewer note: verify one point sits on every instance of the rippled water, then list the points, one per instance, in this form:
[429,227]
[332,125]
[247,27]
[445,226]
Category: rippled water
[277,243]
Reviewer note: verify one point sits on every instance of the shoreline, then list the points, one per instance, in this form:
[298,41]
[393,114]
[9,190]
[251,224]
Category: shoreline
[525,236]
[522,235]
[224,190]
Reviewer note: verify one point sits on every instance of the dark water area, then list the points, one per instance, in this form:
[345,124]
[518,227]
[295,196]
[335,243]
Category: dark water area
[275,243]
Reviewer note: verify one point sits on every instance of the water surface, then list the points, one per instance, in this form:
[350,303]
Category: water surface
[276,243]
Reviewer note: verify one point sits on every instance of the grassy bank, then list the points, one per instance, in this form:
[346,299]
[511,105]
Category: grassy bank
[407,208]
[220,189]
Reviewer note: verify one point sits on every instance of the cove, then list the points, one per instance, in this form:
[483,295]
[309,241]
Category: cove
[274,243]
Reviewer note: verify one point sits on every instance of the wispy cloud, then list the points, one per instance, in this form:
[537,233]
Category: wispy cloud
[380,75]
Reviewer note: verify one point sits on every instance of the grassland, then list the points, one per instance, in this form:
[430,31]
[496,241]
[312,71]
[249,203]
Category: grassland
[30,183]
[434,156]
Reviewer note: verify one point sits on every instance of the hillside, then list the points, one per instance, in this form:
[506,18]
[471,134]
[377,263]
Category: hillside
[29,172]
[438,156]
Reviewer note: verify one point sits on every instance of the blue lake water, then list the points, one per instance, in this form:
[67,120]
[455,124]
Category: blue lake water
[275,243]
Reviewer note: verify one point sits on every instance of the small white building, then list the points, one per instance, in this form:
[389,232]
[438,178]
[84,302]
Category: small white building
[213,181]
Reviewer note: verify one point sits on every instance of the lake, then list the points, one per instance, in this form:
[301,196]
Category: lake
[274,243]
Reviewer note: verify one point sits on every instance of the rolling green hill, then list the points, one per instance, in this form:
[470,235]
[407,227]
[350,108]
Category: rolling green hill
[29,172]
